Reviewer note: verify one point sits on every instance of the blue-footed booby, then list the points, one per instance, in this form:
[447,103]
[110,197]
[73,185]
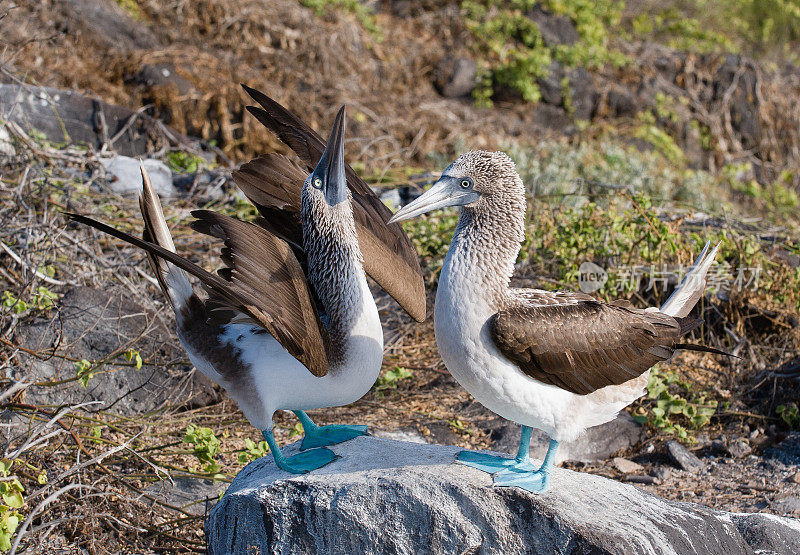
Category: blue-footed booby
[289,322]
[557,361]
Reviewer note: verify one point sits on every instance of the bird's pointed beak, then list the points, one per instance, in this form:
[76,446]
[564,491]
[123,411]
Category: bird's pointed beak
[330,167]
[447,191]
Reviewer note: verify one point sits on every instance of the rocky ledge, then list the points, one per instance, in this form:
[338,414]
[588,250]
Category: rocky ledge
[385,496]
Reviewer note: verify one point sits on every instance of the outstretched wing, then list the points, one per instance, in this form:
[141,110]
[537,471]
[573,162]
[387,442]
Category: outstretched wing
[273,183]
[262,280]
[580,344]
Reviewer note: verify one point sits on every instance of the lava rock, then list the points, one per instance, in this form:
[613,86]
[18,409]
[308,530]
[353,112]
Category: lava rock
[555,29]
[107,24]
[787,505]
[596,444]
[83,119]
[766,533]
[627,466]
[162,75]
[454,77]
[127,175]
[192,495]
[662,473]
[91,325]
[787,451]
[622,102]
[386,496]
[683,458]
[739,449]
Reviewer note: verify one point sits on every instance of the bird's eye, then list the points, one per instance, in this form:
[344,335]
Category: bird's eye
[466,183]
[317,183]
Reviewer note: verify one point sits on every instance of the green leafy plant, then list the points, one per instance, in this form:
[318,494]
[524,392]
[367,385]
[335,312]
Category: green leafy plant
[253,450]
[431,235]
[11,491]
[390,379]
[514,54]
[185,162]
[84,371]
[42,299]
[789,414]
[297,430]
[670,411]
[132,355]
[649,131]
[206,446]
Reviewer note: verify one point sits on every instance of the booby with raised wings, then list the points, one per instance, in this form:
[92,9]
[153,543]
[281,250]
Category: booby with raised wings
[557,361]
[289,322]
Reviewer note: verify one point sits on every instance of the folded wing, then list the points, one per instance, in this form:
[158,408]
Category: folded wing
[580,344]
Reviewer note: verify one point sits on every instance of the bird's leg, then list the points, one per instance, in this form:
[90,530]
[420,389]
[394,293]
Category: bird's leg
[302,462]
[527,479]
[320,436]
[494,463]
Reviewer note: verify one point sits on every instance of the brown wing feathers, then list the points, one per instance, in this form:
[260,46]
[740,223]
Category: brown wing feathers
[265,267]
[250,286]
[274,182]
[584,346]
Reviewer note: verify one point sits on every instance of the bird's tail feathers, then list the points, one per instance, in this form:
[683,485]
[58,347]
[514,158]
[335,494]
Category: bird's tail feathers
[174,282]
[688,323]
[691,288]
[702,349]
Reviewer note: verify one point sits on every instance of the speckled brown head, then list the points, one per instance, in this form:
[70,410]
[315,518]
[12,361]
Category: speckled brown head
[329,233]
[485,183]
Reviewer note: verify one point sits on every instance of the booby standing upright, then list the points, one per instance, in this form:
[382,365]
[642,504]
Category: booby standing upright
[259,334]
[557,361]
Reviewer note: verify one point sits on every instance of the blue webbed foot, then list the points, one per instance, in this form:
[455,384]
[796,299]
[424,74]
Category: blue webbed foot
[306,461]
[517,472]
[301,462]
[320,436]
[485,461]
[534,481]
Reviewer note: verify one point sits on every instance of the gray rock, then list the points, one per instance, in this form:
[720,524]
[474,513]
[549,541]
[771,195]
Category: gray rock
[127,176]
[597,444]
[107,24]
[789,504]
[91,325]
[391,198]
[384,496]
[555,29]
[192,495]
[768,533]
[409,436]
[787,451]
[739,449]
[662,473]
[80,120]
[626,466]
[162,75]
[682,458]
[583,95]
[454,77]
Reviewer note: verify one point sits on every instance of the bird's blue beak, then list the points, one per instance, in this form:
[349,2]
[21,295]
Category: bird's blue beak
[329,176]
[447,191]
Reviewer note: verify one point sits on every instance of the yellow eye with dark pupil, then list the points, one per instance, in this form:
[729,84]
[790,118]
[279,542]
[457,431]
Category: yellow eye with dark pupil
[317,182]
[466,183]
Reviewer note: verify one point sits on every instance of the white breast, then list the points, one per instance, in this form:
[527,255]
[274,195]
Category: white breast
[462,336]
[280,382]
